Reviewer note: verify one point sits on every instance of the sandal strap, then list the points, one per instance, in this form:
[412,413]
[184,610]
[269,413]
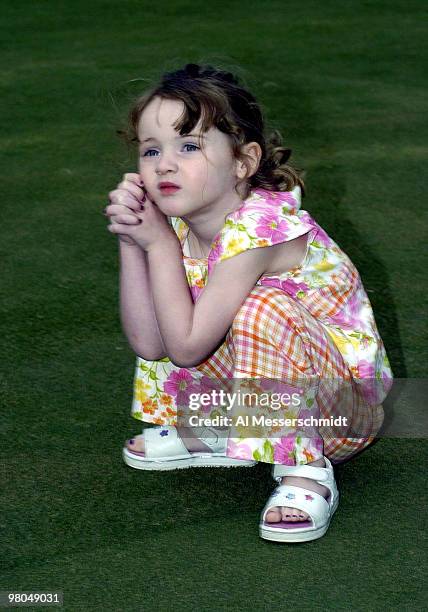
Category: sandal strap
[210,437]
[323,475]
[163,441]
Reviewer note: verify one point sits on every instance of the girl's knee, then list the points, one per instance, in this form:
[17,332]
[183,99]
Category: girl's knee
[264,311]
[266,331]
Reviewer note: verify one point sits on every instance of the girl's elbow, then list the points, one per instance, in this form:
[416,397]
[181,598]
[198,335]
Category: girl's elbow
[149,355]
[184,359]
[182,362]
[193,354]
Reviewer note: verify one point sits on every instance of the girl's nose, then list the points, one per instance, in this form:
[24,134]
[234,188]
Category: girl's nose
[166,162]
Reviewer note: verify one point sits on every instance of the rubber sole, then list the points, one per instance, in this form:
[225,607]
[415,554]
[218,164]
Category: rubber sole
[289,536]
[196,460]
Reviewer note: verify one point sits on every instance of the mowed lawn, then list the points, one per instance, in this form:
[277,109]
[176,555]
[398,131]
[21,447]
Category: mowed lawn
[343,81]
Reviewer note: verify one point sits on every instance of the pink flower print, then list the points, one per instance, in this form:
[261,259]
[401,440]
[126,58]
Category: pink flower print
[288,285]
[349,316]
[371,388]
[208,384]
[315,448]
[353,305]
[271,227]
[238,451]
[294,289]
[287,392]
[261,201]
[365,340]
[180,385]
[370,392]
[366,369]
[284,451]
[290,200]
[343,319]
[322,237]
[216,251]
[279,198]
[272,281]
[196,292]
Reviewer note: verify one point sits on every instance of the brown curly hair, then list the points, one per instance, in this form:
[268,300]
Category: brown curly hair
[225,104]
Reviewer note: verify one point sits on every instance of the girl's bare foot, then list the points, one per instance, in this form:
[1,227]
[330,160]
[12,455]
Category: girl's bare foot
[293,515]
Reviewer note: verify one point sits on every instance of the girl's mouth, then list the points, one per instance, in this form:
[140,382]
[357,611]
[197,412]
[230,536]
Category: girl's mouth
[168,190]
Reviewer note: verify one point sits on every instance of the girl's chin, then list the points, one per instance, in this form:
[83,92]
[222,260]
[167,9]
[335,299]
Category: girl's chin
[169,211]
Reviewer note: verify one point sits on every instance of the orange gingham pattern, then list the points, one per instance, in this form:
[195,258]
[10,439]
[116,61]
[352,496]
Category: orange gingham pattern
[273,336]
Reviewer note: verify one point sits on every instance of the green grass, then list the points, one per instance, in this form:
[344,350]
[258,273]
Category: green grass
[344,83]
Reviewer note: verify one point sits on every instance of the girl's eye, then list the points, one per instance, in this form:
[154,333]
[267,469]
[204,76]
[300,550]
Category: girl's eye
[191,145]
[146,154]
[149,151]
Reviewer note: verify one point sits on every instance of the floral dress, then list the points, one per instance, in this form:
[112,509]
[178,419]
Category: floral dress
[321,304]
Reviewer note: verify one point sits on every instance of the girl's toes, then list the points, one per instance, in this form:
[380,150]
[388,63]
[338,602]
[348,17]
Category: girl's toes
[131,445]
[288,514]
[136,443]
[273,515]
[293,515]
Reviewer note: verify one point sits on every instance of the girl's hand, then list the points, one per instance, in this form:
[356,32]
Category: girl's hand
[143,222]
[125,203]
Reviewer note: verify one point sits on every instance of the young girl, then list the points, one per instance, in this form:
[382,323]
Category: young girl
[226,285]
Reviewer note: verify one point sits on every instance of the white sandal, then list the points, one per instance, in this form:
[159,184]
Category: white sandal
[319,509]
[164,450]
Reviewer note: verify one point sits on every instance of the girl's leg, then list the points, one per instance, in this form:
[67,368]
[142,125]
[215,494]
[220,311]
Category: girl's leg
[273,337]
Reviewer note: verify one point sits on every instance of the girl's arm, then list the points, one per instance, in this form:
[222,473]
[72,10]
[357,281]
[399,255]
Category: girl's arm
[191,332]
[136,304]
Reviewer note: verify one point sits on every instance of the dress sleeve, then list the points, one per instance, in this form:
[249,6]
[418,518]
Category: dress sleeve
[266,218]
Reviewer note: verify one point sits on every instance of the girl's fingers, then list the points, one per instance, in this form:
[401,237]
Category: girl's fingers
[124,207]
[132,188]
[132,177]
[132,181]
[130,194]
[140,190]
[122,197]
[126,219]
[119,228]
[114,211]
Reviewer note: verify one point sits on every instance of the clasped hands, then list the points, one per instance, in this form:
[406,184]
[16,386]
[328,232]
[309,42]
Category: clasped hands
[134,217]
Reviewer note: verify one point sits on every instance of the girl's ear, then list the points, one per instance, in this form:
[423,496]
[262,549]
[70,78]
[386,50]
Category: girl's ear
[248,164]
[241,169]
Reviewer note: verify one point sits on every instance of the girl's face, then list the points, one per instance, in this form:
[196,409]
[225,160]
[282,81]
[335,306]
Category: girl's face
[206,179]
